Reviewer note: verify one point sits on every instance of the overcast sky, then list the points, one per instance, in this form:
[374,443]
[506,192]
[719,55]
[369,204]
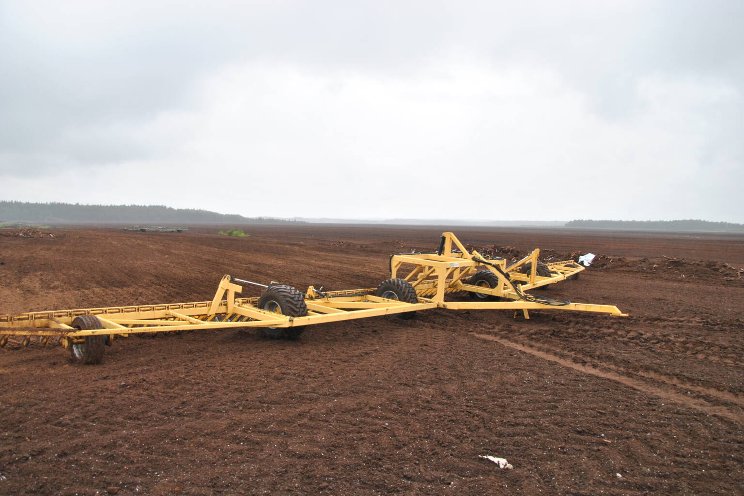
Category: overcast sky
[458,110]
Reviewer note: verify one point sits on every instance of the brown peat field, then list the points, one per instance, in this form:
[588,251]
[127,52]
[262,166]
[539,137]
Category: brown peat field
[578,403]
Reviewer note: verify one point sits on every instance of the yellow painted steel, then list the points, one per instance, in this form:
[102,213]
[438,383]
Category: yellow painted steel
[432,275]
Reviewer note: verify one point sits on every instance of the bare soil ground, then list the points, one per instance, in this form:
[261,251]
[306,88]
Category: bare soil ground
[579,404]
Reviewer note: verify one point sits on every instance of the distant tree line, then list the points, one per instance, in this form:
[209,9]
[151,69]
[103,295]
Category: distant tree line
[687,225]
[67,213]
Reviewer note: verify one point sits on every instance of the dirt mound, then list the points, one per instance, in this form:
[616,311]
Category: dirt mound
[511,253]
[664,266]
[27,232]
[674,268]
[494,251]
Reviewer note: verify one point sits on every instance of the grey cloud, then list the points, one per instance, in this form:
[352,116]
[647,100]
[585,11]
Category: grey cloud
[80,83]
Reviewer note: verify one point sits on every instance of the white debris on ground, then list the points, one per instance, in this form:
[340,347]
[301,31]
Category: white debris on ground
[586,260]
[501,462]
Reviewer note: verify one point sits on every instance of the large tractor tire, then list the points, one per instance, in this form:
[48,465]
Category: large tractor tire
[542,270]
[485,279]
[89,352]
[286,300]
[398,289]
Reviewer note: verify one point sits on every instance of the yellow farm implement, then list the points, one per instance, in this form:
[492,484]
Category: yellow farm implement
[418,281]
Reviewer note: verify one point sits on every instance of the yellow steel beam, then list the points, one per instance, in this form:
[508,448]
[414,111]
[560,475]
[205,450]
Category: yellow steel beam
[148,322]
[351,305]
[359,314]
[436,261]
[26,331]
[452,239]
[62,319]
[225,292]
[386,301]
[257,313]
[109,324]
[482,290]
[528,305]
[54,323]
[185,317]
[355,297]
[281,321]
[206,326]
[414,272]
[424,273]
[320,308]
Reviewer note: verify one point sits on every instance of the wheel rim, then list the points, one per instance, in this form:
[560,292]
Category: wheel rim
[390,295]
[273,307]
[77,350]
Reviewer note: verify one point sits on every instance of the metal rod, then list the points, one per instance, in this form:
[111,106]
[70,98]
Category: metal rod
[249,282]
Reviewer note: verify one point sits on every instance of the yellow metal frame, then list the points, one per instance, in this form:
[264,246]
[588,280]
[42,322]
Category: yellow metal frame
[435,275]
[432,275]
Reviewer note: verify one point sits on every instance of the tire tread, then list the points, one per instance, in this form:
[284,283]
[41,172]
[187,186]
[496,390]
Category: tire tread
[94,346]
[483,275]
[292,304]
[403,290]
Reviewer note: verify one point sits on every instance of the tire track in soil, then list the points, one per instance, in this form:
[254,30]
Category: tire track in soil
[659,377]
[665,394]
[671,334]
[718,394]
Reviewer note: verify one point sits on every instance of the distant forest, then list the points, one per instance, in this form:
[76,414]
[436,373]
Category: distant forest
[66,213]
[690,225]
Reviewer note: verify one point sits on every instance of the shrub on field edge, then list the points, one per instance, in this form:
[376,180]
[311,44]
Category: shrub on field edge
[236,233]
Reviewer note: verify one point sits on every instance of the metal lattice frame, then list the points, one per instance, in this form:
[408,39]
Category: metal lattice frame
[432,275]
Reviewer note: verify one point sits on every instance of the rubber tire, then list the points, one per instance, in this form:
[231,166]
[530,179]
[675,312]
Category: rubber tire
[480,276]
[90,352]
[291,303]
[403,292]
[542,270]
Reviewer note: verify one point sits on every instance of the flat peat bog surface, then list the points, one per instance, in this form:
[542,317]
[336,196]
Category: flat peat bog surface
[578,404]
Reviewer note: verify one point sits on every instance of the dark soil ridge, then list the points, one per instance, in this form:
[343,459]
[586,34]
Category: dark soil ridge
[663,266]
